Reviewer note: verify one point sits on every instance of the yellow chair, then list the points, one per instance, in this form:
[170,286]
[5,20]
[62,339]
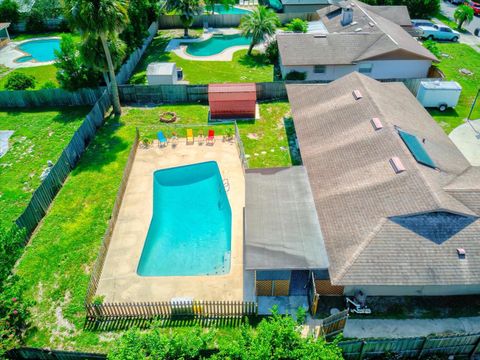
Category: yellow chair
[190,138]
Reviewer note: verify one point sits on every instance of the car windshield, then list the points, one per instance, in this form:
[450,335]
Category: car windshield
[435,27]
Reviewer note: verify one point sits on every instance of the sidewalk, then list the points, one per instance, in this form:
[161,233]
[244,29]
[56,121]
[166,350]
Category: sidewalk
[377,328]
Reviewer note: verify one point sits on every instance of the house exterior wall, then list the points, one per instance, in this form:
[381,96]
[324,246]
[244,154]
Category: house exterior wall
[429,290]
[381,70]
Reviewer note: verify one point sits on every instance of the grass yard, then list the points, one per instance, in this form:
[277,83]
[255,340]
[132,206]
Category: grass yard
[66,244]
[459,56]
[266,140]
[40,135]
[242,68]
[43,74]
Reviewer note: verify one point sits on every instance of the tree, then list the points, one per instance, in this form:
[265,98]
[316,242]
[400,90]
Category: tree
[187,10]
[72,73]
[141,13]
[418,9]
[259,24]
[101,19]
[20,81]
[9,11]
[298,25]
[50,9]
[463,14]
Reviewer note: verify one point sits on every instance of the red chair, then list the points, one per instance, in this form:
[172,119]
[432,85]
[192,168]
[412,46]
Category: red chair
[211,137]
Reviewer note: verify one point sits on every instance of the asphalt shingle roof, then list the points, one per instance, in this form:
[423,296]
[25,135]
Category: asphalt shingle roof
[378,225]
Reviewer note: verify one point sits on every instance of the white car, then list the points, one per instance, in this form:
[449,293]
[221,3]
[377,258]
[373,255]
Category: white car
[439,32]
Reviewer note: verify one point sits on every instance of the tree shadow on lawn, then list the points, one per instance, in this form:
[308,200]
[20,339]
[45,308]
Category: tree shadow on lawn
[256,60]
[104,148]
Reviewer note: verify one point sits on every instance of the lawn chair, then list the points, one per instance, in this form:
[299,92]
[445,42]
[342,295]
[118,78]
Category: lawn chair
[211,137]
[162,140]
[190,138]
[200,137]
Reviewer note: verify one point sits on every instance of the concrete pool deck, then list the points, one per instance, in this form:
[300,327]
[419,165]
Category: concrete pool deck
[177,46]
[119,281]
[10,53]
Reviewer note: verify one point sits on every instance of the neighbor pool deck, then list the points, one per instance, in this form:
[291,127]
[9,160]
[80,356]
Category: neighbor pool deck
[119,281]
[10,53]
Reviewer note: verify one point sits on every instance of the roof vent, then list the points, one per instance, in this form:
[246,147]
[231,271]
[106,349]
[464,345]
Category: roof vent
[347,15]
[357,94]
[354,23]
[397,165]
[377,124]
[371,24]
[358,29]
[461,253]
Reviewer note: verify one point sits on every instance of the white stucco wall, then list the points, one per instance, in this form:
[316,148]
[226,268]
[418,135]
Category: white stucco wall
[428,290]
[382,69]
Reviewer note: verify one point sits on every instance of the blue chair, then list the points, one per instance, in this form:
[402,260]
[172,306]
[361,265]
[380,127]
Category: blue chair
[162,140]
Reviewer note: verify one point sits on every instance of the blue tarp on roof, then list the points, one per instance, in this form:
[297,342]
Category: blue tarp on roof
[417,149]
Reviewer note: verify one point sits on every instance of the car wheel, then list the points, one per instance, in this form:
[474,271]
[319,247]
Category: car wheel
[430,37]
[455,39]
[442,107]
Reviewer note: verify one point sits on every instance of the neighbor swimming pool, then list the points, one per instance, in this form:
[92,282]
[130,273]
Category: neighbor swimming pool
[190,231]
[216,44]
[220,9]
[39,50]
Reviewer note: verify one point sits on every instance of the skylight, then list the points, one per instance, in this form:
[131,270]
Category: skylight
[416,148]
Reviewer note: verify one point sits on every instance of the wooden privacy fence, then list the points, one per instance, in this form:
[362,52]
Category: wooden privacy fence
[127,68]
[45,193]
[97,268]
[49,97]
[461,345]
[224,20]
[169,309]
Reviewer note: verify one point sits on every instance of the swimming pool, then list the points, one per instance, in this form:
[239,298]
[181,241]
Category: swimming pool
[39,50]
[221,9]
[190,231]
[216,44]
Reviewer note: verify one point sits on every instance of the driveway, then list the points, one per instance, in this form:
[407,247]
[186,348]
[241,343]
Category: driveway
[469,39]
[467,138]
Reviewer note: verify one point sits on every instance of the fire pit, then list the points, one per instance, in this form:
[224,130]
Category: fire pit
[168,117]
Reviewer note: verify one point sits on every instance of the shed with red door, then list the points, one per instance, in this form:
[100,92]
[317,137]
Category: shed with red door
[232,101]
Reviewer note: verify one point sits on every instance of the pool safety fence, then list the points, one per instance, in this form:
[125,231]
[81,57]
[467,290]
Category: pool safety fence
[97,268]
[170,309]
[46,192]
[225,20]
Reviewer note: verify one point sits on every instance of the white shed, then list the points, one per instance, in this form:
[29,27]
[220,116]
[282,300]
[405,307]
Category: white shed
[161,73]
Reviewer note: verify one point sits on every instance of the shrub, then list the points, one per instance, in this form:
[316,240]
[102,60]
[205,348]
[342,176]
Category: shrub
[296,75]
[9,11]
[35,22]
[418,9]
[49,85]
[463,14]
[20,81]
[432,47]
[298,25]
[271,52]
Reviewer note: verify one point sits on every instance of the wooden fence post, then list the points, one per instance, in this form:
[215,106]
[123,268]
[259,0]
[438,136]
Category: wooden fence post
[422,348]
[362,350]
[475,349]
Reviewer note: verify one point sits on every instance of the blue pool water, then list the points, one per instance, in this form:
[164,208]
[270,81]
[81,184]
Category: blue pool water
[190,231]
[216,44]
[39,50]
[220,9]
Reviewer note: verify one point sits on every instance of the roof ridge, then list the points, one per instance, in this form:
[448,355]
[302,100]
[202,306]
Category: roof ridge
[368,239]
[456,177]
[382,35]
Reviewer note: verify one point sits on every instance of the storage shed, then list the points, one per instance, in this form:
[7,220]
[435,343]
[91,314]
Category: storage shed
[232,101]
[161,73]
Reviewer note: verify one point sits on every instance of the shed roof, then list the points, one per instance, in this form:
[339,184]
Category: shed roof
[281,224]
[161,68]
[229,92]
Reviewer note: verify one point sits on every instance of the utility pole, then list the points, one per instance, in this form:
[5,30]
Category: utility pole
[473,105]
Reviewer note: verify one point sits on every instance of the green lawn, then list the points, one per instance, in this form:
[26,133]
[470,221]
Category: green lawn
[459,56]
[40,135]
[67,242]
[21,37]
[42,74]
[242,68]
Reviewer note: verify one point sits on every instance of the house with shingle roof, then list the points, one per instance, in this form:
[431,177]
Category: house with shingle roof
[397,202]
[353,36]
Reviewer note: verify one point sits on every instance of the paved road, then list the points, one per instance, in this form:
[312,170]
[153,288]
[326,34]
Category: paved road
[448,10]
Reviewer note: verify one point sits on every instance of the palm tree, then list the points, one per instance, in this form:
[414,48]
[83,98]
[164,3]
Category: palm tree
[101,19]
[187,10]
[463,14]
[258,25]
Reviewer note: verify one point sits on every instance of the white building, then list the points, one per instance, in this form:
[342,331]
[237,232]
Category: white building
[161,73]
